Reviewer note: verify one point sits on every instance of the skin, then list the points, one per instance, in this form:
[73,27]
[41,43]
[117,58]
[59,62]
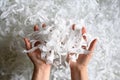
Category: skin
[78,68]
[41,69]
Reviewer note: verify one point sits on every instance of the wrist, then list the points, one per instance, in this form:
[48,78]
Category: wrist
[77,67]
[83,72]
[74,73]
[41,73]
[45,67]
[81,68]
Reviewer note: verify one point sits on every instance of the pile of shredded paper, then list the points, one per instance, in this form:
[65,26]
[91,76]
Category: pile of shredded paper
[100,17]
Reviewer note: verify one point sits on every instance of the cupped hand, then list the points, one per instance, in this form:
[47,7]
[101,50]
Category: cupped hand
[83,59]
[35,56]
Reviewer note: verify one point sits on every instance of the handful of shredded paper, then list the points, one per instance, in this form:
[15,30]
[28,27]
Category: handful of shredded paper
[57,42]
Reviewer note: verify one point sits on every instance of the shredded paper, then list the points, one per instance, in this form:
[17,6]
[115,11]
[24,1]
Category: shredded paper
[59,40]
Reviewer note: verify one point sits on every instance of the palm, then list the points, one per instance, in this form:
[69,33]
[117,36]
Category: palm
[35,56]
[83,59]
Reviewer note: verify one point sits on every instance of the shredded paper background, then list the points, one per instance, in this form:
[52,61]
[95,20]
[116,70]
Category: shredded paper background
[101,18]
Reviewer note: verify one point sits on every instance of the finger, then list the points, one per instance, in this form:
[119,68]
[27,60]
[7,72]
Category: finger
[36,28]
[84,37]
[27,43]
[92,45]
[43,25]
[37,43]
[73,27]
[83,30]
[84,47]
[67,58]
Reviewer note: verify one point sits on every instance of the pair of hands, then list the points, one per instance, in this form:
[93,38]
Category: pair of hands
[81,62]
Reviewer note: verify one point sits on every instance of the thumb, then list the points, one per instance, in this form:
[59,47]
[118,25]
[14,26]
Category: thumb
[92,45]
[27,43]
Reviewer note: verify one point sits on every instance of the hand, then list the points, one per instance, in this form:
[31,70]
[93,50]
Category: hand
[35,56]
[40,66]
[82,61]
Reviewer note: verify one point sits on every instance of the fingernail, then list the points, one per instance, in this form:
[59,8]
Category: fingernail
[37,43]
[36,28]
[73,27]
[83,30]
[43,25]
